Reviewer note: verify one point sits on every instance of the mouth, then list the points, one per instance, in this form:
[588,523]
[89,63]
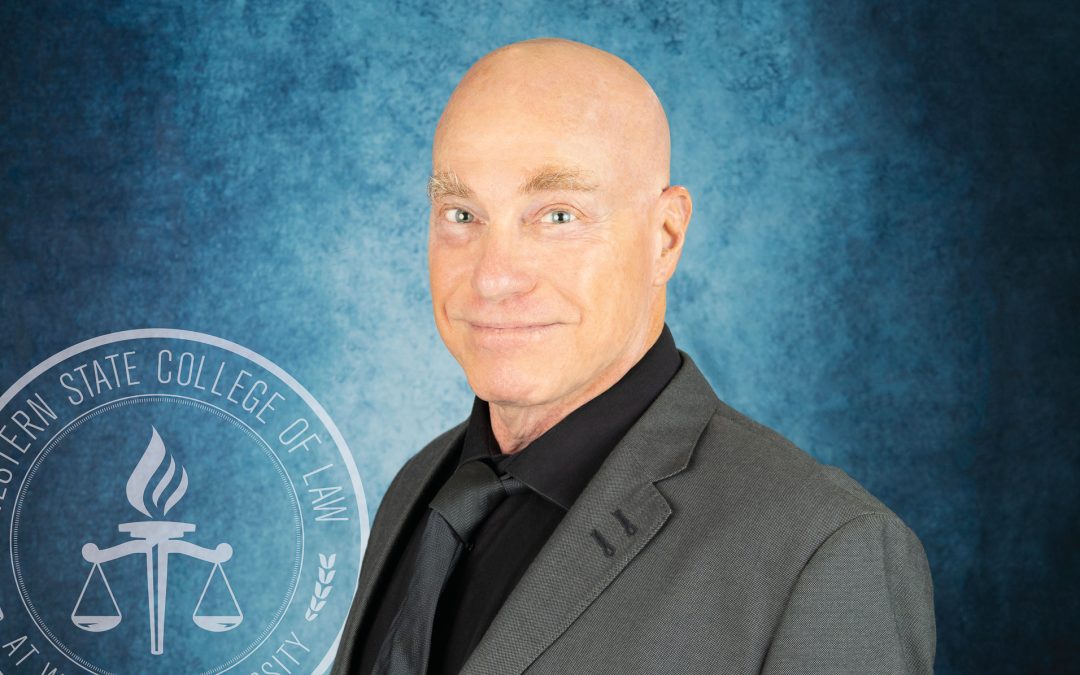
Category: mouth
[508,327]
[499,336]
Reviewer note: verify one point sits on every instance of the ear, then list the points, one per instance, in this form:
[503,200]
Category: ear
[673,211]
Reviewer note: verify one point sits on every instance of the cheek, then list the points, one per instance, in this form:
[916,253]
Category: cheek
[603,280]
[446,269]
[441,280]
[621,288]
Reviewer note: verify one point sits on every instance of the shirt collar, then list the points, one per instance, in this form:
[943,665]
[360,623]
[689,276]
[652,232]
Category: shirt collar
[560,463]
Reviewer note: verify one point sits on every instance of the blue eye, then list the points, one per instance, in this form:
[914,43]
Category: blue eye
[559,217]
[459,216]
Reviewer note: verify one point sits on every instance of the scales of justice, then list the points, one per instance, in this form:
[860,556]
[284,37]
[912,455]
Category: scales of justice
[157,540]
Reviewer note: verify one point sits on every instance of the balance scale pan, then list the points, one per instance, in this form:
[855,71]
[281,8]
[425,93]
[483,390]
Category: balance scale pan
[96,624]
[217,624]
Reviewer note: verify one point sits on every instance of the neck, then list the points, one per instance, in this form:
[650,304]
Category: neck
[515,426]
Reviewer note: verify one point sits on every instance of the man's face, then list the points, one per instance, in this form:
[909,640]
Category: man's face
[542,264]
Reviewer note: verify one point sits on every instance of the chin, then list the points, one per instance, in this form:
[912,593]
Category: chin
[506,383]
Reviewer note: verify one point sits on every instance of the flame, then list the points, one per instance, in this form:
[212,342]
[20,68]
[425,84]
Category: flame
[152,460]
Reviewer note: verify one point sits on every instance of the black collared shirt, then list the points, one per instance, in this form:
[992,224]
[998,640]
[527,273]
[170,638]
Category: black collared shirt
[556,467]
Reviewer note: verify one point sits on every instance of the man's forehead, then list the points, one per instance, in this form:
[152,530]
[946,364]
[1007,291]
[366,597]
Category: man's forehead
[551,101]
[545,178]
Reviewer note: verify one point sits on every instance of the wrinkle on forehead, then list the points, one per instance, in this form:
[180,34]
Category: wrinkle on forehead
[562,90]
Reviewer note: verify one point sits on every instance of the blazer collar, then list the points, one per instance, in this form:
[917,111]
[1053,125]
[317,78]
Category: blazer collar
[612,521]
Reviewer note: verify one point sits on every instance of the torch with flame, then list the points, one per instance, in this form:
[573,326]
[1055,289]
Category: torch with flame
[137,485]
[157,539]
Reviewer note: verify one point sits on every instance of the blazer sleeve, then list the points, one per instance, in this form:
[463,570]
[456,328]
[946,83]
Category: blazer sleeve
[862,604]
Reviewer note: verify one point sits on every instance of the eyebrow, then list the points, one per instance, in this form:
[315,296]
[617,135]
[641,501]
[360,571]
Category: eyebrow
[548,178]
[447,184]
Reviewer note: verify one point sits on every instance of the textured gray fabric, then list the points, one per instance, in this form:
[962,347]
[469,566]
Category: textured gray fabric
[742,555]
[459,507]
[470,494]
[407,645]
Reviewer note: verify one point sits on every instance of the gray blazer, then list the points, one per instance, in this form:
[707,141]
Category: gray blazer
[744,555]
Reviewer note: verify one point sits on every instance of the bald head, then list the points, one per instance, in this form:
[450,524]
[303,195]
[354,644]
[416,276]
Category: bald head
[553,229]
[563,91]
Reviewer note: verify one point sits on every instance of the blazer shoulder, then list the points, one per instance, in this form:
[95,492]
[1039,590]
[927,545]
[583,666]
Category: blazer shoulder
[867,590]
[418,466]
[789,478]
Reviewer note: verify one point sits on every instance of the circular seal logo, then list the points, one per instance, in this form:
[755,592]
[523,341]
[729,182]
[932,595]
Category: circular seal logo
[174,503]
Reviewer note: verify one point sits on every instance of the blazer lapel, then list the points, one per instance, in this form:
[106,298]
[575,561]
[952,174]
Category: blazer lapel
[401,503]
[613,520]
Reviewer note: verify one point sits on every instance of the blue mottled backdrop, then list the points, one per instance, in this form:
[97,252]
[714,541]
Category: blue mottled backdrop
[883,262]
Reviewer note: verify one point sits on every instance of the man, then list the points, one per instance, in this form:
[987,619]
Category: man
[601,511]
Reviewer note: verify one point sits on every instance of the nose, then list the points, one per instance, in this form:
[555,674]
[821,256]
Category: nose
[503,269]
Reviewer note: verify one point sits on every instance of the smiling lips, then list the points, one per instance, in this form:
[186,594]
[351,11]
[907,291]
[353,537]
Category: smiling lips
[508,334]
[507,326]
